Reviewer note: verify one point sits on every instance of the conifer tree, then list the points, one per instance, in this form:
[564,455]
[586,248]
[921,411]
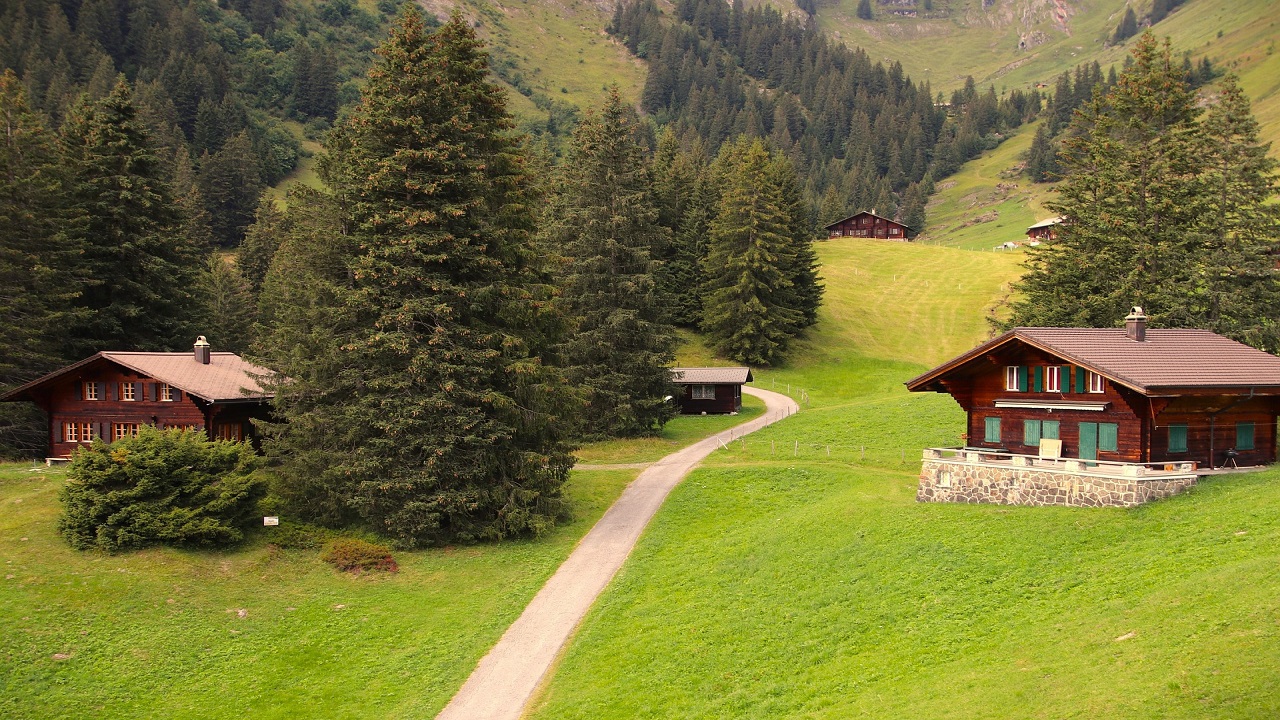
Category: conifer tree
[227,306]
[619,353]
[799,262]
[139,271]
[744,313]
[231,186]
[424,405]
[261,241]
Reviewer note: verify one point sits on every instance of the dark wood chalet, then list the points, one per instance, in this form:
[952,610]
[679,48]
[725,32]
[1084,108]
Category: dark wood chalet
[1044,230]
[111,394]
[1126,394]
[710,390]
[869,225]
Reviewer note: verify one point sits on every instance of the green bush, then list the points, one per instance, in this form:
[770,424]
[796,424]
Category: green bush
[299,536]
[169,487]
[356,555]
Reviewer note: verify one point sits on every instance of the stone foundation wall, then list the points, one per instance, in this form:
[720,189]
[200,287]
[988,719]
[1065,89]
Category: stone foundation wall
[968,482]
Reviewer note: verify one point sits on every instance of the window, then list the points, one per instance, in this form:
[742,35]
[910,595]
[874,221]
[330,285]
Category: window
[77,432]
[127,392]
[1015,378]
[1053,378]
[1109,437]
[165,393]
[893,231]
[1097,383]
[123,430]
[92,390]
[704,392]
[1031,433]
[184,428]
[233,431]
[1244,435]
[993,430]
[1177,438]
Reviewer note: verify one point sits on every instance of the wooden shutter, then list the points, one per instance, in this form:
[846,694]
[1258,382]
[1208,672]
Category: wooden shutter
[1064,379]
[1031,432]
[80,390]
[106,391]
[1244,435]
[58,431]
[175,393]
[1039,379]
[1049,430]
[1108,437]
[151,392]
[1079,380]
[1177,438]
[137,391]
[1023,385]
[993,430]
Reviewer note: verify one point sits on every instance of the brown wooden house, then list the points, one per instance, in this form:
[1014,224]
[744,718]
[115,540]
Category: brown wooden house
[111,394]
[1125,394]
[869,225]
[1044,230]
[710,390]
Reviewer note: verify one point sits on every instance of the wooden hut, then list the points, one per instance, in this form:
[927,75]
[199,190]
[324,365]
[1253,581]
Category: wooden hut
[710,390]
[869,225]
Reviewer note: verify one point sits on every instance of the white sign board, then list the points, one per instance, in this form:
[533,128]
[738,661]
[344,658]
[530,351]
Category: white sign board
[270,520]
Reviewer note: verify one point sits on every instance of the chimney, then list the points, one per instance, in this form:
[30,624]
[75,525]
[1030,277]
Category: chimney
[202,350]
[1135,325]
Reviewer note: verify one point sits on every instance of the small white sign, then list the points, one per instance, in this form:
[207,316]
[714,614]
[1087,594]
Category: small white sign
[270,520]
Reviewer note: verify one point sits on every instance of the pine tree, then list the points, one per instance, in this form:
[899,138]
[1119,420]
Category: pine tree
[1042,159]
[742,314]
[864,9]
[261,241]
[421,401]
[227,306]
[139,270]
[621,348]
[1127,28]
[798,261]
[231,186]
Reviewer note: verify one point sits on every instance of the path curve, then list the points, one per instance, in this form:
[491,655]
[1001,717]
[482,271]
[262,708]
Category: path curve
[504,681]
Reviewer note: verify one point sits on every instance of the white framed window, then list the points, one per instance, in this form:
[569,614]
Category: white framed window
[165,392]
[71,432]
[1013,377]
[1053,378]
[1097,383]
[704,392]
[92,391]
[126,392]
[123,430]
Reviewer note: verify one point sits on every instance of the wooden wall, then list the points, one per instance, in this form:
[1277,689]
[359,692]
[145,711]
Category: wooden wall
[869,226]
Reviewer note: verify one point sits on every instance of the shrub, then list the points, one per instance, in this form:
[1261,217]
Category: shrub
[168,487]
[356,555]
[299,536]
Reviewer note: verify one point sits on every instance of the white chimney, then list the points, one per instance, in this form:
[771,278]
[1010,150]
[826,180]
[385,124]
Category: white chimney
[202,350]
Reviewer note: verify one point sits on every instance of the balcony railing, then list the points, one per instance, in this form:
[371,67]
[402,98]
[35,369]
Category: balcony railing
[988,456]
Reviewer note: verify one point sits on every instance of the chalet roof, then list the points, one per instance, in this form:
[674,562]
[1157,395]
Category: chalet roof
[711,375]
[1167,358]
[226,377]
[1047,223]
[867,212]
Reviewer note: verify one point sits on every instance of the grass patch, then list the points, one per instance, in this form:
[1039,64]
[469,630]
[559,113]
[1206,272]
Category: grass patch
[257,631]
[681,431]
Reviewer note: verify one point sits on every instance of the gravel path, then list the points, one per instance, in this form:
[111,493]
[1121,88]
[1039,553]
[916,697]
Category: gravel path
[504,681]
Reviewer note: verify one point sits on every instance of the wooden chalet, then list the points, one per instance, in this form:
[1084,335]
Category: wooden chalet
[869,225]
[111,394]
[710,390]
[1044,230]
[1119,394]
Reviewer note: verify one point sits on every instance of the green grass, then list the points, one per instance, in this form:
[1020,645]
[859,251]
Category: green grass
[680,431]
[157,634]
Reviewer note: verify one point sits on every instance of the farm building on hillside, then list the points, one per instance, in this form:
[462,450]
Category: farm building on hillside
[111,394]
[1044,230]
[1129,400]
[710,390]
[869,225]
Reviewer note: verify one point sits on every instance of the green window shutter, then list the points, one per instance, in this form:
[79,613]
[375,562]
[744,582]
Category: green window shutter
[993,430]
[1064,379]
[1079,380]
[1049,430]
[1177,438]
[1244,436]
[1039,378]
[1022,378]
[1031,432]
[1109,437]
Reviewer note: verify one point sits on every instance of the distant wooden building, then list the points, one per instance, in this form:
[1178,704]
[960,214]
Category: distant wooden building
[1122,394]
[710,390]
[1044,230]
[869,225]
[111,394]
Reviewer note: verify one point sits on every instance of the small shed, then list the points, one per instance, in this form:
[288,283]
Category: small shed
[869,225]
[710,389]
[1044,230]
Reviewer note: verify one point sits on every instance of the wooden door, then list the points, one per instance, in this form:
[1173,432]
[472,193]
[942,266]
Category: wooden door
[1088,441]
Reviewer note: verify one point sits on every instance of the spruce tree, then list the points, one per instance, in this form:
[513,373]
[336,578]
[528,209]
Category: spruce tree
[619,353]
[139,270]
[231,186]
[798,261]
[227,306]
[744,310]
[424,405]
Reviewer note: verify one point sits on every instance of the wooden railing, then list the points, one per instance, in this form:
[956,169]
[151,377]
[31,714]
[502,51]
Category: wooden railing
[1111,467]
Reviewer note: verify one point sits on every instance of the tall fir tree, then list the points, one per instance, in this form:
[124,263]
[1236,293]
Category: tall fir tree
[427,406]
[139,270]
[745,313]
[799,261]
[619,354]
[227,307]
[231,186]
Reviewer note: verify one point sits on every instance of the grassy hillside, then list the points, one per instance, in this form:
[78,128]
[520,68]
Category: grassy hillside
[794,575]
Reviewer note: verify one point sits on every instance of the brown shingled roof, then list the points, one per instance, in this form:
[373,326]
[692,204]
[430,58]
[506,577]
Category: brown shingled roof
[226,377]
[1167,358]
[710,375]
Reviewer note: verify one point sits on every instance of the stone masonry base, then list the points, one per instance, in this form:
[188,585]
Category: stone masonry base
[957,481]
